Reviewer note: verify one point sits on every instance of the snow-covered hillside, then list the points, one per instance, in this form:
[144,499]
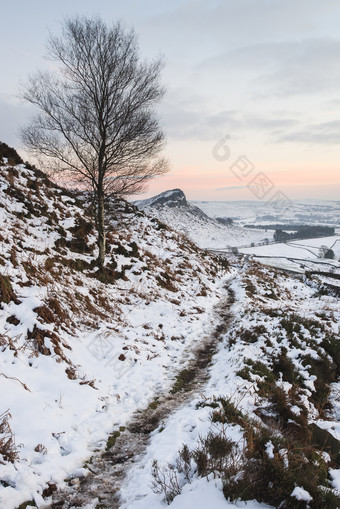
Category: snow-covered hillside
[172,208]
[265,428]
[172,377]
[81,351]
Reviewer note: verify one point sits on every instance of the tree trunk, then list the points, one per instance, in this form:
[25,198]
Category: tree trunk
[101,229]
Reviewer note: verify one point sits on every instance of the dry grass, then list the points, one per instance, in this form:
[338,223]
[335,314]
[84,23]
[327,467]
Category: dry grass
[6,292]
[8,448]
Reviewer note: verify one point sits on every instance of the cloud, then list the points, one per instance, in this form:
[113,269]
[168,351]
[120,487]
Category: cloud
[190,118]
[310,67]
[318,134]
[230,188]
[295,67]
[192,24]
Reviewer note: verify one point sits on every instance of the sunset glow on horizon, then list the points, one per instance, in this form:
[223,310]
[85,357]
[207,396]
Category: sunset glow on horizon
[264,73]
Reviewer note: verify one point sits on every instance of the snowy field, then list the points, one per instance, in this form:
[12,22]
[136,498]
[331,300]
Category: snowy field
[298,256]
[309,212]
[308,249]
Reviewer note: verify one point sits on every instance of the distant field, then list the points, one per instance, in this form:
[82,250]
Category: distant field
[309,212]
[307,249]
[300,255]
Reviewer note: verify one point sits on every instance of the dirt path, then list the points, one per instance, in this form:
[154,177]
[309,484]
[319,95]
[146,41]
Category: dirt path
[108,469]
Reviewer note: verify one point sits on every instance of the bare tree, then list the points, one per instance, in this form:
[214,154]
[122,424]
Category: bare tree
[97,124]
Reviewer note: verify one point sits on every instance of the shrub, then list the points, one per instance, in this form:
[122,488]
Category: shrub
[267,468]
[6,292]
[272,479]
[24,505]
[329,254]
[8,449]
[164,281]
[112,440]
[37,336]
[134,250]
[213,455]
[325,372]
[81,230]
[183,462]
[165,481]
[227,412]
[121,250]
[10,154]
[332,346]
[285,366]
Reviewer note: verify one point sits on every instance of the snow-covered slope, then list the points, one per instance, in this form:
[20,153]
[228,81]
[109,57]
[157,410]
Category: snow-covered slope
[80,351]
[266,425]
[172,208]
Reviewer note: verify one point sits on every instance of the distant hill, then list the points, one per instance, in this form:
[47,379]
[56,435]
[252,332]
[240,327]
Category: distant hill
[172,198]
[173,208]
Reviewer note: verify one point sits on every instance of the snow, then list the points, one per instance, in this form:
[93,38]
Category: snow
[198,495]
[270,449]
[301,494]
[204,231]
[59,421]
[335,475]
[258,212]
[154,328]
[303,250]
[190,422]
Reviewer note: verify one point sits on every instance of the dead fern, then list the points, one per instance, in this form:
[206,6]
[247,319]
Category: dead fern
[8,448]
[165,481]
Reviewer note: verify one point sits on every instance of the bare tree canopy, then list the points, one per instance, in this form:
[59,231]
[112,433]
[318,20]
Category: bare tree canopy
[97,123]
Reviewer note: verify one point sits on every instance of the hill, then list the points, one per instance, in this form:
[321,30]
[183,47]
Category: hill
[171,377]
[80,351]
[172,208]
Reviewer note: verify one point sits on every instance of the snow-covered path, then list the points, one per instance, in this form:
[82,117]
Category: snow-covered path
[108,469]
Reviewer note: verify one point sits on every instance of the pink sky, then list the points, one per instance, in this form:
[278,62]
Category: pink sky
[299,182]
